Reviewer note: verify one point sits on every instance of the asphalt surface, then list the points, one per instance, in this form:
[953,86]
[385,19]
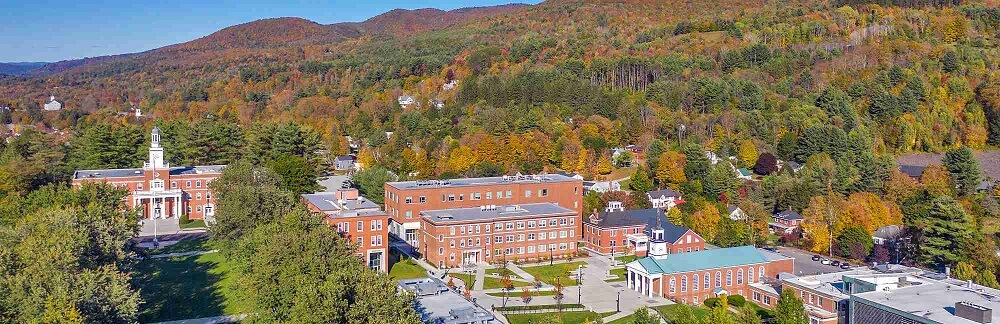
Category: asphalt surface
[805,266]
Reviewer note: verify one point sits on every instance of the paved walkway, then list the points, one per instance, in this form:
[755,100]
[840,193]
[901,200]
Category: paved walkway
[520,272]
[209,320]
[180,254]
[480,278]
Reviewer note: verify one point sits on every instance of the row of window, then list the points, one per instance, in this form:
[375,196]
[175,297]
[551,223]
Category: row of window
[158,184]
[707,279]
[472,196]
[376,240]
[345,227]
[510,226]
[761,298]
[531,249]
[511,238]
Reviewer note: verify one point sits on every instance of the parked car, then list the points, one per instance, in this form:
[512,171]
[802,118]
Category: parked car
[835,263]
[816,257]
[772,249]
[825,261]
[845,265]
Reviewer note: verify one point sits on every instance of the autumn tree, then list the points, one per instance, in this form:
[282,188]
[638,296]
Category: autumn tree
[936,180]
[766,164]
[706,220]
[604,166]
[747,153]
[819,218]
[670,169]
[789,309]
[640,182]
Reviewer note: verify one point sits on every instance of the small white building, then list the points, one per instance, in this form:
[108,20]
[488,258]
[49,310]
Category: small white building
[666,198]
[406,101]
[450,85]
[52,104]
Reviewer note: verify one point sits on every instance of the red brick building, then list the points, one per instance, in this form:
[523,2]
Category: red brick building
[785,222]
[158,190]
[691,278]
[405,200]
[629,231]
[358,219]
[453,237]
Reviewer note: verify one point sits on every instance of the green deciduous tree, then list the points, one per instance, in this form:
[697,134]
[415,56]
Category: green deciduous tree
[789,309]
[639,181]
[298,176]
[247,196]
[645,316]
[371,182]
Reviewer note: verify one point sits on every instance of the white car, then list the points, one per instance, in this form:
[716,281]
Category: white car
[825,261]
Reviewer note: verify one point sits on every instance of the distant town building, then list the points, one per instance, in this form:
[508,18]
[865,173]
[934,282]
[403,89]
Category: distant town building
[405,200]
[736,213]
[472,235]
[158,190]
[52,104]
[785,222]
[450,85]
[344,162]
[887,234]
[601,186]
[666,198]
[438,304]
[406,101]
[359,220]
[690,278]
[629,231]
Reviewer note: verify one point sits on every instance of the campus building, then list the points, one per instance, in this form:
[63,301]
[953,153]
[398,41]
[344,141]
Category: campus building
[909,299]
[158,190]
[691,278]
[438,304]
[358,219]
[620,231]
[459,236]
[405,200]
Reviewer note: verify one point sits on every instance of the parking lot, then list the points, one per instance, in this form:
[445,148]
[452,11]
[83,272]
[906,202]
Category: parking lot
[805,266]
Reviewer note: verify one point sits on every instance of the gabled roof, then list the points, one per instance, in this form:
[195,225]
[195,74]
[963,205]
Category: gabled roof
[345,158]
[788,215]
[702,260]
[649,217]
[743,172]
[665,193]
[888,232]
[913,171]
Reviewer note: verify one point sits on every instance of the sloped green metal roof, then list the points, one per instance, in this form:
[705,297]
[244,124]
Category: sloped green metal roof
[703,260]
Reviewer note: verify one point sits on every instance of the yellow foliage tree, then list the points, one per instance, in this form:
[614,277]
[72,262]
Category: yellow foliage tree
[747,153]
[670,169]
[604,165]
[705,221]
[936,180]
[900,186]
[461,158]
[581,162]
[366,157]
[819,219]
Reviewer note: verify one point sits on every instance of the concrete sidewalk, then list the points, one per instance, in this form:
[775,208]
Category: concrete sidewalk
[520,272]
[180,254]
[209,320]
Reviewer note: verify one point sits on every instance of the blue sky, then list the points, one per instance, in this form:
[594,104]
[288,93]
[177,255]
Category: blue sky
[68,29]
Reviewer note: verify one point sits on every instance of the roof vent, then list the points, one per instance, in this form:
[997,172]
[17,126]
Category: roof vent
[973,312]
[446,217]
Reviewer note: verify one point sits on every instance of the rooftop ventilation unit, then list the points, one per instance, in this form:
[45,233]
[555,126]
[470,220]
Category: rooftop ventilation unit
[973,312]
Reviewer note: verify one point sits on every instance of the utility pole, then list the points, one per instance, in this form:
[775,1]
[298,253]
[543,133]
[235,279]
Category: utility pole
[579,284]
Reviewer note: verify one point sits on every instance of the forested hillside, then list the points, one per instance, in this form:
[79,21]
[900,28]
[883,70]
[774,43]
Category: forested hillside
[839,86]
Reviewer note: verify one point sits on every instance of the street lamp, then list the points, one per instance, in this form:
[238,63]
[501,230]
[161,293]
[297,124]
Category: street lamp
[618,302]
[550,256]
[579,284]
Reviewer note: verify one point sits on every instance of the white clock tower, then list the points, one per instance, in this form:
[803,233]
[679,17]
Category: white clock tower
[155,151]
[657,246]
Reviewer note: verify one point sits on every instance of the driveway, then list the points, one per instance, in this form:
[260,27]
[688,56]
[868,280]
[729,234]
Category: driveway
[805,266]
[333,182]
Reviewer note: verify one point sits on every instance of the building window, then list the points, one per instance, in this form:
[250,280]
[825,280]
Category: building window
[543,192]
[440,238]
[197,184]
[199,196]
[510,238]
[520,237]
[767,300]
[541,223]
[187,184]
[750,274]
[761,272]
[461,197]
[718,279]
[510,226]
[451,197]
[527,194]
[541,236]
[756,296]
[520,225]
[443,198]
[739,277]
[531,224]
[531,237]
[440,251]
[684,283]
[489,195]
[451,230]
[729,278]
[498,226]
[361,226]
[531,249]
[409,200]
[510,193]
[673,284]
[173,185]
[451,243]
[694,281]
[476,196]
[423,199]
[138,187]
[409,214]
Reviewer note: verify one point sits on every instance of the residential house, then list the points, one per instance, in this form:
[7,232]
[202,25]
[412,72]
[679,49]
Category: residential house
[344,162]
[601,186]
[785,222]
[570,175]
[886,235]
[617,157]
[736,213]
[406,101]
[52,104]
[666,198]
[449,85]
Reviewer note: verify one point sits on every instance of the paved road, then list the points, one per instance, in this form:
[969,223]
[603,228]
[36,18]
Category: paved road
[804,265]
[333,182]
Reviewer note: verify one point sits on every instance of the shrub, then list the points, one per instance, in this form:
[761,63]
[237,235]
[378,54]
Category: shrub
[736,300]
[183,220]
[711,302]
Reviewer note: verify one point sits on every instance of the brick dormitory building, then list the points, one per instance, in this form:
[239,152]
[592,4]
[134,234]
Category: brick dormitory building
[406,200]
[158,190]
[358,219]
[490,233]
[619,231]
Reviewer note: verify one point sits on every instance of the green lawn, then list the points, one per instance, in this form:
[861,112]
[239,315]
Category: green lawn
[627,258]
[198,244]
[517,293]
[186,287]
[618,272]
[548,274]
[198,223]
[700,312]
[488,282]
[565,317]
[406,269]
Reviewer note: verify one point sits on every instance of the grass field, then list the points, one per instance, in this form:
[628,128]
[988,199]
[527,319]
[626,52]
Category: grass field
[548,274]
[564,317]
[406,269]
[197,223]
[517,293]
[699,312]
[199,244]
[488,282]
[186,287]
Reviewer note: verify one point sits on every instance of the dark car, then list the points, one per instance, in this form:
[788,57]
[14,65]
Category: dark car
[835,263]
[772,249]
[845,265]
[816,257]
